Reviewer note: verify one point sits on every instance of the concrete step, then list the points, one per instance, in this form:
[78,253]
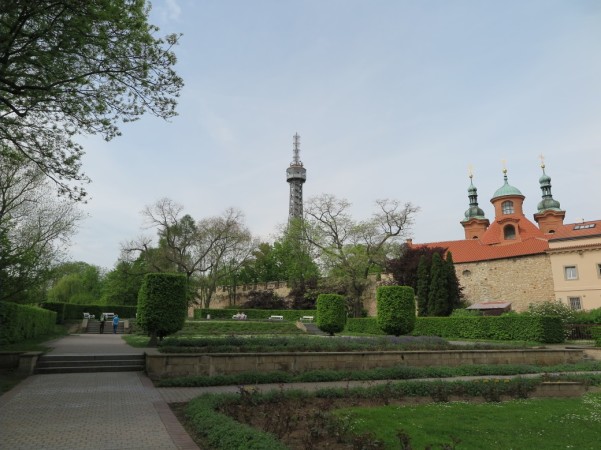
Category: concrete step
[312,329]
[94,327]
[89,363]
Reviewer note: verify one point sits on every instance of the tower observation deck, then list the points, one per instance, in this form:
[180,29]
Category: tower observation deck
[296,175]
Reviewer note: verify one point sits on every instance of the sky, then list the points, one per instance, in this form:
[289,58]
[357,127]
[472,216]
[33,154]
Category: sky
[392,99]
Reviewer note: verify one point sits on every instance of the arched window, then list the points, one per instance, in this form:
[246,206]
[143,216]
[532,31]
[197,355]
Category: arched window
[507,207]
[509,232]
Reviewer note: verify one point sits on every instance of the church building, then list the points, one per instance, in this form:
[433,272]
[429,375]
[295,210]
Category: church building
[512,260]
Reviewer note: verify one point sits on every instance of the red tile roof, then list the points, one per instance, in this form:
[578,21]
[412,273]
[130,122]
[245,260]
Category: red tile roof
[577,230]
[525,229]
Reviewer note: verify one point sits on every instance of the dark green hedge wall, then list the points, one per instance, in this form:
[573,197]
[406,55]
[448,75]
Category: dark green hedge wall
[396,309]
[162,303]
[20,322]
[331,313]
[363,325]
[69,311]
[510,328]
[255,314]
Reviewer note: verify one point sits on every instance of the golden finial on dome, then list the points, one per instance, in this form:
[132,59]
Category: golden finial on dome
[542,161]
[470,171]
[504,162]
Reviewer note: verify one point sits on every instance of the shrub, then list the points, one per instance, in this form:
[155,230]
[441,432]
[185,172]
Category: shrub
[588,317]
[162,304]
[596,334]
[396,309]
[557,309]
[21,322]
[362,325]
[521,327]
[331,313]
[264,300]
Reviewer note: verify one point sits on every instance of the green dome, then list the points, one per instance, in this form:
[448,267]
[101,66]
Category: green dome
[474,213]
[548,204]
[544,179]
[507,189]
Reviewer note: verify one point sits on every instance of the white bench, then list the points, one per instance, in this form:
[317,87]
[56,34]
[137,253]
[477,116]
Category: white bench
[276,318]
[88,316]
[307,318]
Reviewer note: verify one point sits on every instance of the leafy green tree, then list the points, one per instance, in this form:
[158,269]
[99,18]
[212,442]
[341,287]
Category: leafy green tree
[121,285]
[396,309]
[454,289]
[71,67]
[350,250]
[331,313]
[81,283]
[162,305]
[423,285]
[35,228]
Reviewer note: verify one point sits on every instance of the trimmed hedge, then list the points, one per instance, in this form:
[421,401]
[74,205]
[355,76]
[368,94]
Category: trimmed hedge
[545,329]
[596,334]
[255,314]
[331,313]
[396,309]
[162,304]
[362,325]
[21,322]
[70,311]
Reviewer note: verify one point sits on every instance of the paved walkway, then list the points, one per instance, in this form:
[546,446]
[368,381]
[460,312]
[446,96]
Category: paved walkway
[106,410]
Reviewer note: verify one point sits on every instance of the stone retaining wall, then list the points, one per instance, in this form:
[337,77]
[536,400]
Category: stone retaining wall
[165,365]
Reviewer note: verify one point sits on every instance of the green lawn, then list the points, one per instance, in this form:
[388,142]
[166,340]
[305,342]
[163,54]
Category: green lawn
[519,424]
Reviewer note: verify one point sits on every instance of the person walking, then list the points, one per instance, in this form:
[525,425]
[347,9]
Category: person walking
[115,323]
[102,320]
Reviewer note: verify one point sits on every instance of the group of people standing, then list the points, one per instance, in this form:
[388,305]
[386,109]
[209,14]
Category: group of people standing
[115,323]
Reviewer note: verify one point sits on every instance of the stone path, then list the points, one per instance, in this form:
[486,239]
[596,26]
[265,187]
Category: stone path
[81,411]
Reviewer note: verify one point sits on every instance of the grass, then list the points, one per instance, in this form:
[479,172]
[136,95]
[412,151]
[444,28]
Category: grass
[36,344]
[518,424]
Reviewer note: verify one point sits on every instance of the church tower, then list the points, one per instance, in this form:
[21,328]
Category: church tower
[296,175]
[474,223]
[550,215]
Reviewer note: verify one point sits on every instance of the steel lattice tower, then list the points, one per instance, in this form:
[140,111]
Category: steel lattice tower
[296,175]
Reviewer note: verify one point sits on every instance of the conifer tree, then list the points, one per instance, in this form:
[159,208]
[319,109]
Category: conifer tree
[453,287]
[438,295]
[423,282]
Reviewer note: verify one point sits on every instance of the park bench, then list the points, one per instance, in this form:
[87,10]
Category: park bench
[88,316]
[276,318]
[307,319]
[108,316]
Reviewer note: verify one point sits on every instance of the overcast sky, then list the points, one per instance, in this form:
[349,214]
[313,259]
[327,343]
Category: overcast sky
[391,98]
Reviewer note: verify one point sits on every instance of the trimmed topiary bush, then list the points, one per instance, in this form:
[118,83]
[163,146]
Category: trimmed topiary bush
[396,309]
[162,304]
[331,313]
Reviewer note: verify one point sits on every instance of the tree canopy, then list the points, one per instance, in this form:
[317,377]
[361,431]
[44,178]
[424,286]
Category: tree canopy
[70,67]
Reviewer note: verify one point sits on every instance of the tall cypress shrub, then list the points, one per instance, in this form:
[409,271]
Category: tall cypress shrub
[162,304]
[331,313]
[438,295]
[454,289]
[396,309]
[423,282]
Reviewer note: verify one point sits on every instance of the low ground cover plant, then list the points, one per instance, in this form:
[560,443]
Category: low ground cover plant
[241,344]
[298,419]
[383,373]
[240,327]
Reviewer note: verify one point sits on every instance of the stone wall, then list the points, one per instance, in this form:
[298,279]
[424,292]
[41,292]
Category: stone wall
[221,299]
[164,365]
[520,281]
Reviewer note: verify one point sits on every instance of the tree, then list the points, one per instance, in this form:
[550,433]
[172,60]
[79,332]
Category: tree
[349,250]
[70,67]
[81,283]
[331,313]
[121,285]
[423,285]
[35,228]
[404,269]
[162,305]
[454,289]
[437,291]
[396,309]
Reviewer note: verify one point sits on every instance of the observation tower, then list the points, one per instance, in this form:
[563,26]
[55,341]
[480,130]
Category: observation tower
[296,175]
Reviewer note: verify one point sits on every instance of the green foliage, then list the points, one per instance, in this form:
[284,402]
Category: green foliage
[254,314]
[423,285]
[81,283]
[587,317]
[596,334]
[21,322]
[238,327]
[553,309]
[70,311]
[162,304]
[454,289]
[73,67]
[437,291]
[331,313]
[396,309]
[547,329]
[121,285]
[221,431]
[362,325]
[264,300]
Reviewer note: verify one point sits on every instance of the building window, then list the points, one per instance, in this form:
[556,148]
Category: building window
[575,302]
[467,273]
[509,232]
[507,207]
[599,270]
[570,272]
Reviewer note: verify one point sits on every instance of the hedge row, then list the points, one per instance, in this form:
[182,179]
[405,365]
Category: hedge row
[596,334]
[507,328]
[70,311]
[255,314]
[21,322]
